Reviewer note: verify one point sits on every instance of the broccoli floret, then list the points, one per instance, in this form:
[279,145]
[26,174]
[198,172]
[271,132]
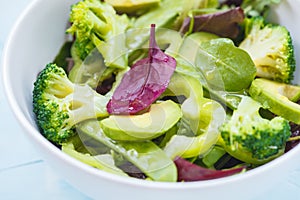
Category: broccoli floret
[251,138]
[271,48]
[97,25]
[258,7]
[59,104]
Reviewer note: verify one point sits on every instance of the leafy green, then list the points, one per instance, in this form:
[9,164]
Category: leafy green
[224,65]
[61,59]
[146,80]
[223,23]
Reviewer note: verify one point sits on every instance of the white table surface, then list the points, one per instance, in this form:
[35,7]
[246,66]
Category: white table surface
[23,172]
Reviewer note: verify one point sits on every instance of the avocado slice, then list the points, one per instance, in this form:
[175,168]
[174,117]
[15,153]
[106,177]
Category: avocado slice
[191,89]
[196,110]
[130,6]
[160,118]
[203,115]
[189,147]
[279,98]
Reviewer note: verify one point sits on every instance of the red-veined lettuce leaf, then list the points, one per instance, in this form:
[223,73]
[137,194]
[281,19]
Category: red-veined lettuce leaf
[146,80]
[188,171]
[223,23]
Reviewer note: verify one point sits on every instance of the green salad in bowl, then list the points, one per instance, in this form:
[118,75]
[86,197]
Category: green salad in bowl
[161,97]
[202,93]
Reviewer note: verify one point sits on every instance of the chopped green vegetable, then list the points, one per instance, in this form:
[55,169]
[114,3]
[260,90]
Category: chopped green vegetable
[164,15]
[213,156]
[132,6]
[254,8]
[191,146]
[277,97]
[252,139]
[96,25]
[271,49]
[59,104]
[104,162]
[148,157]
[192,107]
[161,117]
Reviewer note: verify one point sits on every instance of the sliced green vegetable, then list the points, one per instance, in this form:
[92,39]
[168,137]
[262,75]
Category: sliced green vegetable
[161,16]
[147,156]
[230,99]
[187,147]
[160,118]
[277,97]
[133,6]
[191,88]
[213,156]
[104,162]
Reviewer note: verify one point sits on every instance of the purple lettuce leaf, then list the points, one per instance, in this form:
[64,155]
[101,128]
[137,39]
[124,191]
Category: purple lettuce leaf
[232,2]
[188,171]
[224,23]
[146,80]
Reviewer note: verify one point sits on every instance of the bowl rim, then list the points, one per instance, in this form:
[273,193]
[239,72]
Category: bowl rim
[35,135]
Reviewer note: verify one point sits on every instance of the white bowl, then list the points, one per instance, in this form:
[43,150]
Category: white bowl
[35,40]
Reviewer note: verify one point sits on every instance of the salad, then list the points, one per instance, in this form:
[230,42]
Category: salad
[171,90]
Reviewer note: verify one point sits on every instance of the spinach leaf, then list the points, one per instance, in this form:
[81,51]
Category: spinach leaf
[224,65]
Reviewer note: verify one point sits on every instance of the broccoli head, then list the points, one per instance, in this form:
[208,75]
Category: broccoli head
[251,138]
[271,48]
[97,25]
[59,104]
